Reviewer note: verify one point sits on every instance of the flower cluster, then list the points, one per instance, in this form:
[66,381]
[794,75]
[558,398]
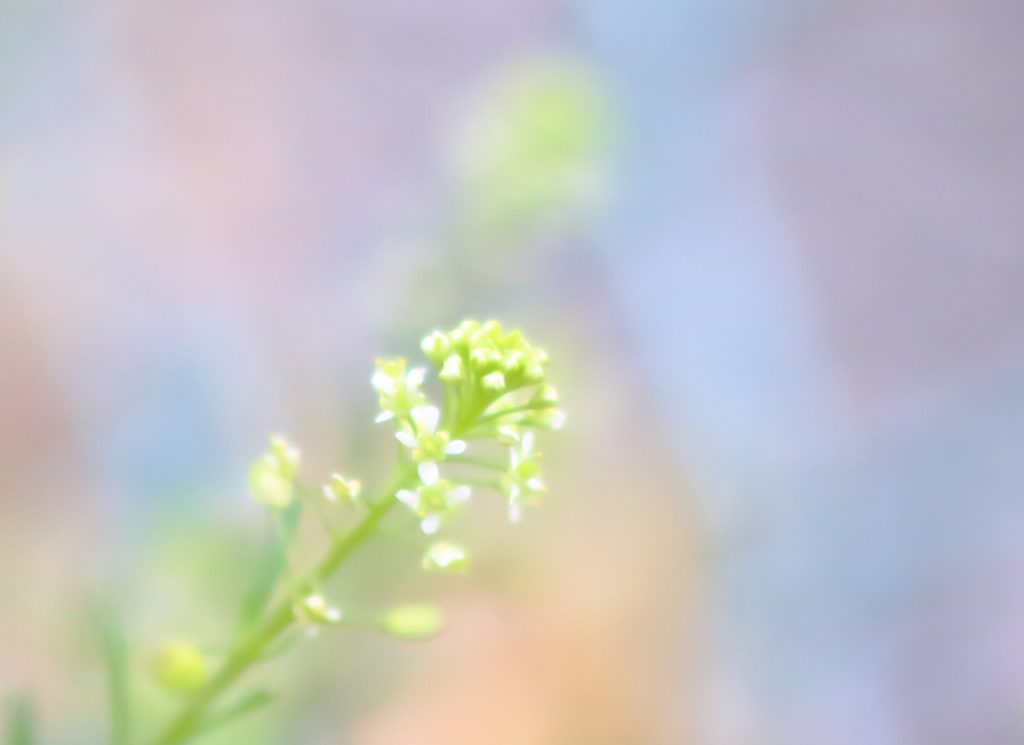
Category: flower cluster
[494,386]
[494,391]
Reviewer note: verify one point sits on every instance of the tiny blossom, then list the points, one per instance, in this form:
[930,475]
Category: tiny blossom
[427,445]
[399,390]
[521,483]
[272,476]
[430,501]
[315,609]
[445,557]
[339,488]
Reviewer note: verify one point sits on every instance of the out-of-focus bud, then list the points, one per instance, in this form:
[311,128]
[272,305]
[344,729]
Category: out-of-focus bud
[452,371]
[437,347]
[545,397]
[314,609]
[340,489]
[269,484]
[494,381]
[413,620]
[445,557]
[181,667]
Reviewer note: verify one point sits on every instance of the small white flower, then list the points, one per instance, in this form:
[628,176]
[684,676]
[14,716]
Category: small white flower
[431,501]
[428,446]
[522,483]
[398,389]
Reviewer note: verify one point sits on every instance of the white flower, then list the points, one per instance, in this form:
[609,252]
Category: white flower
[428,446]
[521,483]
[399,390]
[431,501]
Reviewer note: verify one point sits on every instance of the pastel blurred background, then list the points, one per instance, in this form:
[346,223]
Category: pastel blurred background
[776,252]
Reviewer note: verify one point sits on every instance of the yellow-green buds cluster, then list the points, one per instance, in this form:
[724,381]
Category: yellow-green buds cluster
[413,620]
[181,667]
[272,476]
[399,390]
[480,364]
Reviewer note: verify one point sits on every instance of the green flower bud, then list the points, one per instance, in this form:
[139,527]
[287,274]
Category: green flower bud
[181,667]
[437,347]
[494,381]
[286,456]
[269,485]
[445,557]
[545,397]
[533,373]
[413,620]
[315,609]
[339,488]
[453,369]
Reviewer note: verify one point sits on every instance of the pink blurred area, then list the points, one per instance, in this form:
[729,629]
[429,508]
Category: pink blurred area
[214,217]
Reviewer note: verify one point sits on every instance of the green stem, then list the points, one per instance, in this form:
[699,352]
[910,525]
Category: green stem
[188,722]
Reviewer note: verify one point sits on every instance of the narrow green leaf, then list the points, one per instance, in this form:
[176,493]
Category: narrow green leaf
[245,705]
[269,565]
[114,648]
[290,518]
[20,720]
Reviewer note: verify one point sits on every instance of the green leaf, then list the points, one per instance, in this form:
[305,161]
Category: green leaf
[246,705]
[269,565]
[20,720]
[271,562]
[114,648]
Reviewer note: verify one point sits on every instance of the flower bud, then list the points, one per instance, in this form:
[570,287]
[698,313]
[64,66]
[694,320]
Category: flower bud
[437,347]
[544,398]
[269,485]
[181,667]
[445,557]
[339,488]
[453,369]
[494,381]
[315,609]
[413,620]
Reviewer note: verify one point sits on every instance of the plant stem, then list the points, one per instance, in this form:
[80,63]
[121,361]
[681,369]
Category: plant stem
[282,616]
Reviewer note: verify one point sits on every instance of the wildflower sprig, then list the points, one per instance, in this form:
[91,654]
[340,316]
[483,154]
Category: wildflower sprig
[494,389]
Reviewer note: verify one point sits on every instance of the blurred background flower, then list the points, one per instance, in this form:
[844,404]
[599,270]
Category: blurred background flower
[774,251]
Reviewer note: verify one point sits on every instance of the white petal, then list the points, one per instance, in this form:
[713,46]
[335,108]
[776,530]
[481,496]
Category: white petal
[384,416]
[415,377]
[383,382]
[455,447]
[426,418]
[527,443]
[428,472]
[329,494]
[406,438]
[514,456]
[557,419]
[458,495]
[515,513]
[430,524]
[535,484]
[410,498]
[513,493]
